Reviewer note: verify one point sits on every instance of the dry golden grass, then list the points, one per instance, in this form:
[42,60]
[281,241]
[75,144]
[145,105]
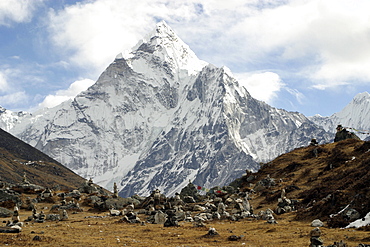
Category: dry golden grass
[83,230]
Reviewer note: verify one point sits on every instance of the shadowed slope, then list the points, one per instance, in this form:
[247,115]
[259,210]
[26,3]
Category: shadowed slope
[17,158]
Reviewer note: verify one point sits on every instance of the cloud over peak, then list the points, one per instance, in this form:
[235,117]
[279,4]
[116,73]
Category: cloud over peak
[64,95]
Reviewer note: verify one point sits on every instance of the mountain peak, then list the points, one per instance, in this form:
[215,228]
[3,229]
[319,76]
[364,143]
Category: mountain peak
[164,30]
[163,44]
[361,97]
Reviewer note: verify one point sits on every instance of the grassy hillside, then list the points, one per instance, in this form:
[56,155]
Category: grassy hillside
[324,185]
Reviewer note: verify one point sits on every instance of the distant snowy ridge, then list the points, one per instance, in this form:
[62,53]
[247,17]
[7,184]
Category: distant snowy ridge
[159,117]
[9,119]
[355,115]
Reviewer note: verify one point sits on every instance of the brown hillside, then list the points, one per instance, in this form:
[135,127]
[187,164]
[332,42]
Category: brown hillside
[324,185]
[17,158]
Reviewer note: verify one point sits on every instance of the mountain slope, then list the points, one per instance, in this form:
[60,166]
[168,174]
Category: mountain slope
[337,179]
[159,117]
[17,158]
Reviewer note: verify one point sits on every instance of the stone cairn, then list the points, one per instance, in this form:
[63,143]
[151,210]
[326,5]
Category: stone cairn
[285,205]
[25,180]
[115,190]
[192,207]
[315,239]
[15,222]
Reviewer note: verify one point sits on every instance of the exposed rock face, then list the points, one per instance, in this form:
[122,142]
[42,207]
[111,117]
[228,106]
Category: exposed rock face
[160,117]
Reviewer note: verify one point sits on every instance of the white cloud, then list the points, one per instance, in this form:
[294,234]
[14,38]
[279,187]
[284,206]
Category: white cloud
[325,41]
[10,94]
[64,95]
[92,33]
[95,32]
[262,86]
[14,98]
[298,95]
[17,11]
[3,83]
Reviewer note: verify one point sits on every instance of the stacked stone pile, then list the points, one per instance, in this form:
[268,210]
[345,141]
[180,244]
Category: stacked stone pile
[315,238]
[15,223]
[26,187]
[190,206]
[285,205]
[265,183]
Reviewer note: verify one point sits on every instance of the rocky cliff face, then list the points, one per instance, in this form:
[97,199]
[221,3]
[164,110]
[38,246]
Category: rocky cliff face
[159,117]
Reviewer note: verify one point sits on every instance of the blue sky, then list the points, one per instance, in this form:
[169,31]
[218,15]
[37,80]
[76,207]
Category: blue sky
[310,56]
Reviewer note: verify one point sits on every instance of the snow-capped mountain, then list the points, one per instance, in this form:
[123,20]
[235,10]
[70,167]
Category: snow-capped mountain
[9,119]
[158,117]
[355,116]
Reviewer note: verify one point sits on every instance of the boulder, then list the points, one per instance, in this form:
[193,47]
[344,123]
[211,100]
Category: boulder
[114,212]
[190,190]
[221,208]
[211,232]
[171,219]
[189,199]
[64,215]
[7,195]
[131,217]
[317,223]
[229,189]
[198,208]
[74,194]
[160,217]
[180,216]
[5,213]
[117,203]
[234,238]
[9,230]
[315,232]
[70,206]
[53,217]
[351,214]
